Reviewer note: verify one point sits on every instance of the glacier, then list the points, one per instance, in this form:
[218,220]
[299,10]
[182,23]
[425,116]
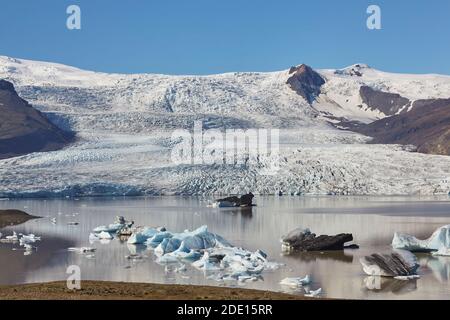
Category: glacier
[124,124]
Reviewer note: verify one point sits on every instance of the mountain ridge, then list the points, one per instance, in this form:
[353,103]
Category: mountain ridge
[124,125]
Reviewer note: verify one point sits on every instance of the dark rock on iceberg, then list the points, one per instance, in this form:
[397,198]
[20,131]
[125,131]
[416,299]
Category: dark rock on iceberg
[303,240]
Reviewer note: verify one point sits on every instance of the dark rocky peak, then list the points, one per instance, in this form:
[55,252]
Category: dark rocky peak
[386,102]
[305,81]
[426,126]
[24,129]
[7,86]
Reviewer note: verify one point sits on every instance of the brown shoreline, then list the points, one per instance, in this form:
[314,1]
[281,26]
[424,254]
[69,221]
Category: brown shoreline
[103,290]
[14,217]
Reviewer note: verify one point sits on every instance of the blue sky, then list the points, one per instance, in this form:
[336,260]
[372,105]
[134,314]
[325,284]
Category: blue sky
[212,36]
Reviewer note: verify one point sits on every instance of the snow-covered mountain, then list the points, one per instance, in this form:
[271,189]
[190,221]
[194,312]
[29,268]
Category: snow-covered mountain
[124,125]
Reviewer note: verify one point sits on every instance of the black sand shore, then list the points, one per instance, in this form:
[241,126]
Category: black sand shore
[100,290]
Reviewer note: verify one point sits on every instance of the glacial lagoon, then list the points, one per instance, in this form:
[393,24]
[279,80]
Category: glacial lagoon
[371,220]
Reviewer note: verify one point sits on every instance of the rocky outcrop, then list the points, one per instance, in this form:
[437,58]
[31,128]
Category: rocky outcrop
[386,102]
[305,81]
[426,126]
[304,240]
[24,129]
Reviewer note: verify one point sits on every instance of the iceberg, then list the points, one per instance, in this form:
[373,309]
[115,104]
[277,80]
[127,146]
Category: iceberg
[27,239]
[313,294]
[400,263]
[141,237]
[105,235]
[82,250]
[205,251]
[438,241]
[445,252]
[119,224]
[296,282]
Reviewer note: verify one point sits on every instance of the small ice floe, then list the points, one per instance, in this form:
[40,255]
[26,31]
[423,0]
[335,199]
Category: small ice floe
[115,228]
[134,257]
[445,252]
[438,241]
[28,249]
[407,278]
[142,235]
[400,263]
[53,220]
[313,293]
[82,250]
[296,282]
[28,239]
[105,235]
[12,238]
[102,237]
[181,268]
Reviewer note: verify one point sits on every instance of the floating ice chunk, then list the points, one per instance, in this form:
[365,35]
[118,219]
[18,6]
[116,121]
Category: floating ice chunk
[168,245]
[92,238]
[119,224]
[398,263]
[27,239]
[438,240]
[181,268]
[192,255]
[149,236]
[313,294]
[13,237]
[142,236]
[81,250]
[223,204]
[165,259]
[200,263]
[406,278]
[296,282]
[442,252]
[105,235]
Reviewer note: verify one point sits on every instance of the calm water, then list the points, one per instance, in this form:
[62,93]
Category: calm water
[372,220]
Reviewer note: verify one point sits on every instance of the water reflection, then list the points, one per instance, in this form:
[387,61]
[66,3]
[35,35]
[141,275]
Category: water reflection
[439,266]
[345,256]
[389,285]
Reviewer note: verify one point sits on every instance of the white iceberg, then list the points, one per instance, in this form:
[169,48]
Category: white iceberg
[13,237]
[445,252]
[439,241]
[119,224]
[400,263]
[140,237]
[105,235]
[28,239]
[296,282]
[313,294]
[82,250]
